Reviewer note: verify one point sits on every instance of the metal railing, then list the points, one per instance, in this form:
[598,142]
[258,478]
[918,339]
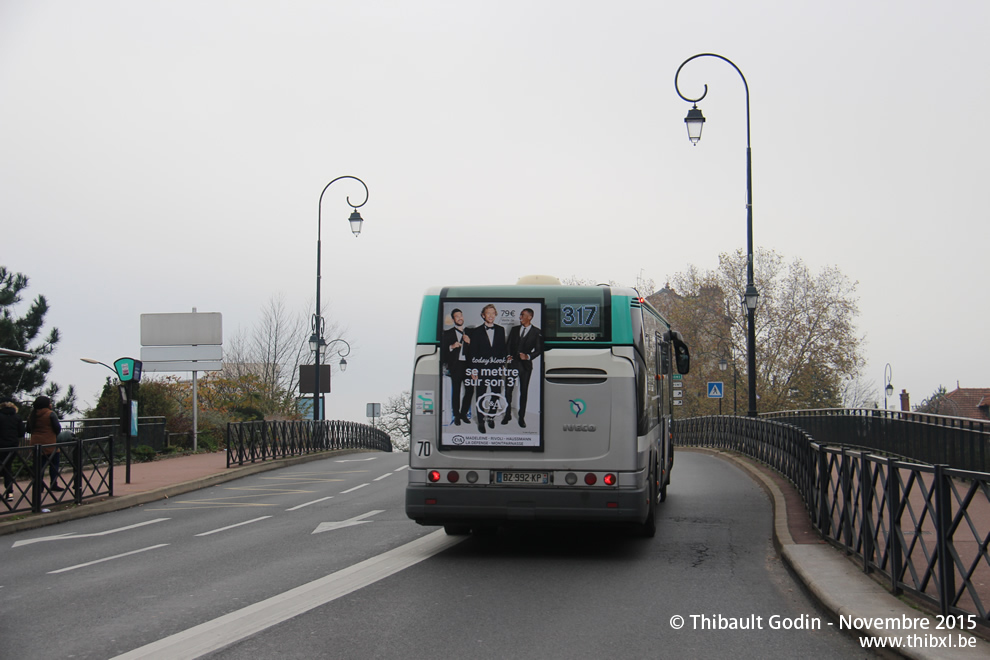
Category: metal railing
[77,470]
[250,442]
[926,528]
[151,431]
[934,439]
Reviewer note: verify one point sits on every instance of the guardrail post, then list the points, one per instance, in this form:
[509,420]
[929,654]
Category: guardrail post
[894,555]
[943,524]
[824,522]
[77,465]
[866,512]
[37,474]
[845,511]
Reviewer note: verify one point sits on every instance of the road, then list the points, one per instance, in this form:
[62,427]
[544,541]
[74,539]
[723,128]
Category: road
[319,560]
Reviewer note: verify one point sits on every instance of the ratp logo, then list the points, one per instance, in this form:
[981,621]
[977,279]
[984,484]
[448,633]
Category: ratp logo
[578,406]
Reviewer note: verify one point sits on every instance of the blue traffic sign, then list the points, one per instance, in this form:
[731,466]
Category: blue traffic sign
[715,390]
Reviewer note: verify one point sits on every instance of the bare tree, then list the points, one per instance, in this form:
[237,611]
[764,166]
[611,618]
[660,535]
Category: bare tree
[397,420]
[807,344]
[271,354]
[859,393]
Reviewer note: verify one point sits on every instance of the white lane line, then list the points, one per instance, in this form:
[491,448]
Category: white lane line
[100,561]
[322,499]
[73,535]
[357,460]
[351,490]
[230,628]
[224,529]
[387,474]
[404,467]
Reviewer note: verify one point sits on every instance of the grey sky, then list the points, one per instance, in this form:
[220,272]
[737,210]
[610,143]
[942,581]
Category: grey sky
[159,156]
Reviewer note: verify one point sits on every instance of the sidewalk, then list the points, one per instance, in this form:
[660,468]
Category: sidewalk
[833,580]
[156,480]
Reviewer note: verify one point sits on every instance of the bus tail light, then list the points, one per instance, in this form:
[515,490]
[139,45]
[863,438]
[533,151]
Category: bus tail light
[433,476]
[590,479]
[453,476]
[609,479]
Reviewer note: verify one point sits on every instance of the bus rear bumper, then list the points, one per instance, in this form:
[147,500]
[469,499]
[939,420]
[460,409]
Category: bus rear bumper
[432,505]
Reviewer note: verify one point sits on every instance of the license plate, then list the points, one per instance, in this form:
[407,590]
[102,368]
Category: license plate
[526,478]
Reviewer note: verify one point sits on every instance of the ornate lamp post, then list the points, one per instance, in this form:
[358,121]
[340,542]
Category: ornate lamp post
[694,122]
[888,390]
[318,322]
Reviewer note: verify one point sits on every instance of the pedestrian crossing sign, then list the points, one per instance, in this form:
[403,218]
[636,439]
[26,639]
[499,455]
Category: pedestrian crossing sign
[715,390]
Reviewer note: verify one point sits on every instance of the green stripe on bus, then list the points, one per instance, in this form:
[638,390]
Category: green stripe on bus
[428,321]
[622,332]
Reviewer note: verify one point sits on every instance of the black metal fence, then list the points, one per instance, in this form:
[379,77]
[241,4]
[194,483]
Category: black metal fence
[935,439]
[926,528]
[76,470]
[250,442]
[151,431]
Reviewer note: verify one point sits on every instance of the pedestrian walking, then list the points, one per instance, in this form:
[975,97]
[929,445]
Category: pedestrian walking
[11,434]
[44,428]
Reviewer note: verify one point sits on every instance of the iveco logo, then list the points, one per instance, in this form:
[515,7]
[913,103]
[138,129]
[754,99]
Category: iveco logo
[589,428]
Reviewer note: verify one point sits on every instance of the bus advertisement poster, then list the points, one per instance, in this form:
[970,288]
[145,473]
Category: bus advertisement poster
[490,350]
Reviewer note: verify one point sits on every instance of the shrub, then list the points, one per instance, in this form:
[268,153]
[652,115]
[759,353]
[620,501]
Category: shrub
[143,454]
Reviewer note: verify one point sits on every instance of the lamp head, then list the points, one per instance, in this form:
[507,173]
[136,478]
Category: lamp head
[356,221]
[695,121]
[751,297]
[343,364]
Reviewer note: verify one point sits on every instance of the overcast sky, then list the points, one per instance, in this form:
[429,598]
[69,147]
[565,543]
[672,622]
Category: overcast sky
[160,156]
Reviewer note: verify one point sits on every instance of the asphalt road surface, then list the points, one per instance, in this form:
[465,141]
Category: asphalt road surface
[319,561]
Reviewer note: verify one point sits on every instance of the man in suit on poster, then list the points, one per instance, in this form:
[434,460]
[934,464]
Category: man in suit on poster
[457,358]
[487,351]
[523,348]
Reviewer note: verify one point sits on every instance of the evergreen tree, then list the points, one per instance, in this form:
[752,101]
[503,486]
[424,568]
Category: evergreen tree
[23,379]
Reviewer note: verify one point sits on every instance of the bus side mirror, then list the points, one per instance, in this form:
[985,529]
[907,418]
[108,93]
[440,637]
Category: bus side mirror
[682,356]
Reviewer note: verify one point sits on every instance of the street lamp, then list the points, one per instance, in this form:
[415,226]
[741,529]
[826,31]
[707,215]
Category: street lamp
[355,221]
[694,121]
[723,364]
[888,391]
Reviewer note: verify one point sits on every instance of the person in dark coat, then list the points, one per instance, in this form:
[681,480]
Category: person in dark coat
[11,434]
[44,428]
[524,347]
[488,352]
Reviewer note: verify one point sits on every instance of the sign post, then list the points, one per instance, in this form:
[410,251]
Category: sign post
[716,390]
[374,410]
[129,373]
[183,342]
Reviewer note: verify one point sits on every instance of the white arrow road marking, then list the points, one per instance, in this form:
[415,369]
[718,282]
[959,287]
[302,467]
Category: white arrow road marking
[73,535]
[100,561]
[230,628]
[350,522]
[224,529]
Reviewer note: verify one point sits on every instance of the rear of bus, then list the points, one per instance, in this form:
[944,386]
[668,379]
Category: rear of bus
[592,444]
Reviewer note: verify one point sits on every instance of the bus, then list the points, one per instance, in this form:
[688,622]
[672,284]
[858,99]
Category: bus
[541,402]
